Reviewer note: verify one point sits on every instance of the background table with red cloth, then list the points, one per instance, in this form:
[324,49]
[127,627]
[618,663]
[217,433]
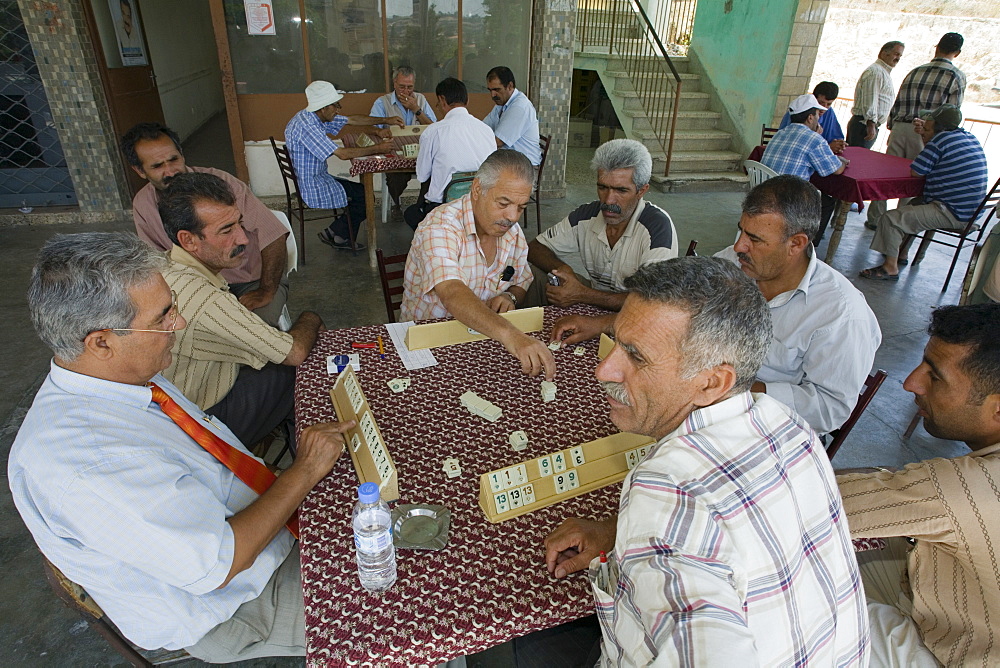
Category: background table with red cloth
[490,583]
[367,167]
[869,176]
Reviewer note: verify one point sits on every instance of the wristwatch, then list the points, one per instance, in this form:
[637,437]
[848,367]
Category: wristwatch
[512,297]
[417,112]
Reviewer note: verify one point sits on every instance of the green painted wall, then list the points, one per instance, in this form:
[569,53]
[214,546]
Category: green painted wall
[741,46]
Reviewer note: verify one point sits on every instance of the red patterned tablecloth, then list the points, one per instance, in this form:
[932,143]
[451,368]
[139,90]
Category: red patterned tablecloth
[382,163]
[489,584]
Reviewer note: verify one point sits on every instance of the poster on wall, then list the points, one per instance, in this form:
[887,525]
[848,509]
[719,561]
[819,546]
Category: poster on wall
[126,20]
[260,17]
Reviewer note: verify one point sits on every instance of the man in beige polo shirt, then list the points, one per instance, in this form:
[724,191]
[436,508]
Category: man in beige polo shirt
[227,360]
[944,575]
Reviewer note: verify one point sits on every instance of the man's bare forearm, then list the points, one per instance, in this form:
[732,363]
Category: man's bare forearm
[272,264]
[542,257]
[472,312]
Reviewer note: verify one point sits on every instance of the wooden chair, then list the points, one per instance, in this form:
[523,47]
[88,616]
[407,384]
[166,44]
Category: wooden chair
[76,598]
[291,183]
[691,247]
[390,272]
[460,184]
[758,172]
[872,383]
[766,133]
[544,141]
[970,235]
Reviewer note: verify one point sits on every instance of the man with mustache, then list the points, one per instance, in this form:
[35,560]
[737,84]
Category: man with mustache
[227,360]
[825,335]
[513,119]
[154,153]
[730,546]
[608,239]
[469,259]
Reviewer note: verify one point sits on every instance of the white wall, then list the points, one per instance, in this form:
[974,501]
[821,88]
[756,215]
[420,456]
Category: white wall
[184,56]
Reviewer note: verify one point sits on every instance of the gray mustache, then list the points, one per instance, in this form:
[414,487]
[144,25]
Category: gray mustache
[616,391]
[613,208]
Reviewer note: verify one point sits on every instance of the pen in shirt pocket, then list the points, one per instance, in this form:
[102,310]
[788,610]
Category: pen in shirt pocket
[508,273]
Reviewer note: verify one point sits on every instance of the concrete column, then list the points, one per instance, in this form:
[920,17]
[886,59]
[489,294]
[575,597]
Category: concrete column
[68,68]
[554,26]
[801,58]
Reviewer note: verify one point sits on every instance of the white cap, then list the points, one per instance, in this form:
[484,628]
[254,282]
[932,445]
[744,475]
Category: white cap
[804,103]
[320,94]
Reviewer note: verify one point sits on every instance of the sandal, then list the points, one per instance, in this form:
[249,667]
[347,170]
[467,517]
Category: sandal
[878,274]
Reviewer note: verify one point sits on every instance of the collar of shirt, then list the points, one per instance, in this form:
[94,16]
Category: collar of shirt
[714,414]
[457,111]
[181,256]
[990,450]
[885,65]
[598,227]
[510,101]
[78,384]
[803,286]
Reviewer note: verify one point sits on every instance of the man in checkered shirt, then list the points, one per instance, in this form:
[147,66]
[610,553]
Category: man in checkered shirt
[925,87]
[469,259]
[730,547]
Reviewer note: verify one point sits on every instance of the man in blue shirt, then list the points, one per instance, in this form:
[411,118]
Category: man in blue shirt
[953,165]
[825,93]
[800,150]
[309,146]
[513,119]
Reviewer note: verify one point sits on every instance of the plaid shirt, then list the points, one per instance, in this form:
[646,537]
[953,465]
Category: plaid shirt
[873,93]
[800,151]
[928,87]
[733,549]
[445,247]
[309,146]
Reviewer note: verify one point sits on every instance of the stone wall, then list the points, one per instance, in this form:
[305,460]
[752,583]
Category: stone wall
[800,60]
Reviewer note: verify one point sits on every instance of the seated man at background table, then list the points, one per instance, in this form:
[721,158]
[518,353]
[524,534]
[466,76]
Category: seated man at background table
[109,476]
[227,360]
[513,119]
[800,151]
[953,165]
[469,259]
[609,238]
[825,335]
[943,575]
[730,547]
[154,152]
[309,146]
[459,143]
[412,107]
[826,93]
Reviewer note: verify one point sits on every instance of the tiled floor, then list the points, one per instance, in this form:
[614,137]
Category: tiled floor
[37,630]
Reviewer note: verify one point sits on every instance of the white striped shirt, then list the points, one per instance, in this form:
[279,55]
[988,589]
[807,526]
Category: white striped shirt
[873,94]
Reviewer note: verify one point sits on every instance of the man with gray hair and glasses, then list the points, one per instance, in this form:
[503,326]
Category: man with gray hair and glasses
[182,537]
[825,335]
[607,240]
[469,259]
[730,546]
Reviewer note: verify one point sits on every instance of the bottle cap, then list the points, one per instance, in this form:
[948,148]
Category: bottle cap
[368,492]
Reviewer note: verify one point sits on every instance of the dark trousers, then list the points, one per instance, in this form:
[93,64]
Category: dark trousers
[827,206]
[397,182]
[259,401]
[356,207]
[857,129]
[571,645]
[415,213]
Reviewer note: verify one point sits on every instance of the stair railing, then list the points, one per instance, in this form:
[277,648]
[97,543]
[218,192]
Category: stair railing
[623,27]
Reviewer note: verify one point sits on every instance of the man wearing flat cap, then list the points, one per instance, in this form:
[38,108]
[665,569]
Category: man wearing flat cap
[953,165]
[309,145]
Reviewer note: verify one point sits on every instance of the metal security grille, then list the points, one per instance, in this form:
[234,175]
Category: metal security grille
[33,169]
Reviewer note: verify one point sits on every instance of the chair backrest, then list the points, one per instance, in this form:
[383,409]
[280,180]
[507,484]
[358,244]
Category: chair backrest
[758,172]
[766,133]
[872,383]
[987,206]
[291,247]
[543,142]
[691,247]
[390,272]
[286,168]
[460,184]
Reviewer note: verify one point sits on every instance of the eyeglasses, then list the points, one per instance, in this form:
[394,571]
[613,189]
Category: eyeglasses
[171,322]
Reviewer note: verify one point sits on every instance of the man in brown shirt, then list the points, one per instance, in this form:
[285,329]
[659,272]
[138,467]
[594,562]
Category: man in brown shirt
[258,280]
[227,360]
[948,580]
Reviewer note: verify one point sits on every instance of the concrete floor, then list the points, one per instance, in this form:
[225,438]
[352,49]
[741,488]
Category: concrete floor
[36,629]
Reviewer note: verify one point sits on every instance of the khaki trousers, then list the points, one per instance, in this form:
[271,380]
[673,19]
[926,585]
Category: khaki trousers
[895,225]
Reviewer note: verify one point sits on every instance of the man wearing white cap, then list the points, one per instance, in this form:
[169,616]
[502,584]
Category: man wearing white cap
[309,146]
[801,151]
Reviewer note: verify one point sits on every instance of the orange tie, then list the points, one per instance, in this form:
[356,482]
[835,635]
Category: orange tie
[246,468]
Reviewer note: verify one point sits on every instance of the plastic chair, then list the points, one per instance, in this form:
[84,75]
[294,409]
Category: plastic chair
[758,172]
[970,235]
[291,183]
[76,598]
[390,272]
[691,247]
[291,264]
[460,184]
[544,141]
[872,383]
[766,133]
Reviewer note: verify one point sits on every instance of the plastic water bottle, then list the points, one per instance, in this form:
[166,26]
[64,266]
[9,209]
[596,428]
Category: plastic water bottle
[373,539]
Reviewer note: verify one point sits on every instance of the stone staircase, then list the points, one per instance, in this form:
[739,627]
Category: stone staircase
[701,159]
